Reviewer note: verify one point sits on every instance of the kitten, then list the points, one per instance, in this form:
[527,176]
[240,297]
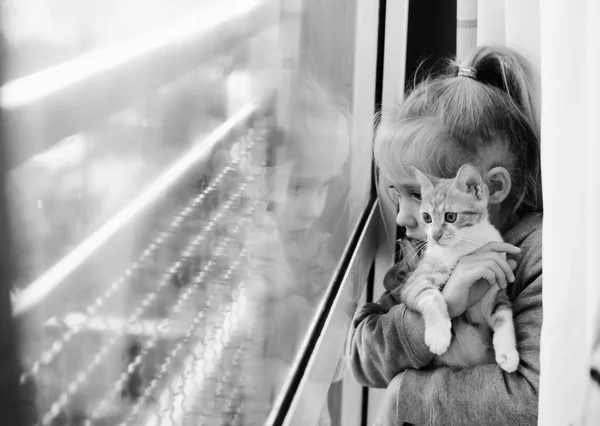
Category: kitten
[454,212]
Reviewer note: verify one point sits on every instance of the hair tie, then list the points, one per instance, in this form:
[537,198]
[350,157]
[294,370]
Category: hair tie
[467,72]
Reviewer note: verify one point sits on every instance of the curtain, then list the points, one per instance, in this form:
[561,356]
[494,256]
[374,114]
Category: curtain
[466,27]
[570,62]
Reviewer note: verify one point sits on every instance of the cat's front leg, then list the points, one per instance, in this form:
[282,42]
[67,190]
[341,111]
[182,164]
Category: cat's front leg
[438,326]
[505,342]
[422,294]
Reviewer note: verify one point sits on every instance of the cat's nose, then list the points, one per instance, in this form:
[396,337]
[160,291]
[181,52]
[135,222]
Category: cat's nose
[436,235]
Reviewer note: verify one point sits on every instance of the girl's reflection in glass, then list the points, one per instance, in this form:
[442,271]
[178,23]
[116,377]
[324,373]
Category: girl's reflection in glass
[307,191]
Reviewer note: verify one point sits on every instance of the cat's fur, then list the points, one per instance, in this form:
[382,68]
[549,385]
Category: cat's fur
[490,321]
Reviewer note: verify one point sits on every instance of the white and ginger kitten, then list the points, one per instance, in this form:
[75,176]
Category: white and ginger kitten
[454,213]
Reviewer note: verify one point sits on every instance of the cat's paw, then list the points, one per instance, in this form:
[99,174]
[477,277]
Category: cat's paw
[508,360]
[438,336]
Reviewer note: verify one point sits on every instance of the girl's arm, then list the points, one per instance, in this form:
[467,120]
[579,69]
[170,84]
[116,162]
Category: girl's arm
[483,395]
[386,337]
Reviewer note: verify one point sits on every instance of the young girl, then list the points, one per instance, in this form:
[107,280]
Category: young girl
[481,113]
[292,250]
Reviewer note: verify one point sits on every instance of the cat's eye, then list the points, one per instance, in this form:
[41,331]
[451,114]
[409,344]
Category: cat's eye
[450,217]
[427,217]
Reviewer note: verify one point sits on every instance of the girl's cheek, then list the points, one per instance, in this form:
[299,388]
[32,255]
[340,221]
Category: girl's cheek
[313,203]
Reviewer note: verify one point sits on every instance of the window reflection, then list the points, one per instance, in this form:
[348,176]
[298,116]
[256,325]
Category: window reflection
[64,194]
[195,308]
[296,242]
[43,33]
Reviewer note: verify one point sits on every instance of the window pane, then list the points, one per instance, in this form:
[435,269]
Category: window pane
[43,33]
[176,221]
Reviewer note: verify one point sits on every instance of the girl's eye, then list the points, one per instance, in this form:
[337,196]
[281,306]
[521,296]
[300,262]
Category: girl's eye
[450,217]
[426,217]
[394,194]
[416,195]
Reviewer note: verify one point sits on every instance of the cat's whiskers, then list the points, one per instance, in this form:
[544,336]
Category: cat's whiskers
[406,251]
[417,251]
[417,245]
[403,250]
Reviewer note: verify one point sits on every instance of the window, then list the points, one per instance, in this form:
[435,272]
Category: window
[189,193]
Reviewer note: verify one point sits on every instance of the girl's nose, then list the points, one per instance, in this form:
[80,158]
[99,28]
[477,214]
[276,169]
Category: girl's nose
[406,216]
[313,206]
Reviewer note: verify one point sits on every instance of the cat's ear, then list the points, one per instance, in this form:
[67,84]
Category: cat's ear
[469,180]
[426,182]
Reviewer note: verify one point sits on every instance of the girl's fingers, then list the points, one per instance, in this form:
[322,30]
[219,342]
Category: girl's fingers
[499,248]
[481,272]
[478,290]
[512,263]
[475,259]
[499,273]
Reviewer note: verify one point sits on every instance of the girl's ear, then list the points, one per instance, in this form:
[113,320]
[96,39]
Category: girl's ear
[499,185]
[426,182]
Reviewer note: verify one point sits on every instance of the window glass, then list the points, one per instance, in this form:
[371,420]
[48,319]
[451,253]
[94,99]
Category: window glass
[173,247]
[43,33]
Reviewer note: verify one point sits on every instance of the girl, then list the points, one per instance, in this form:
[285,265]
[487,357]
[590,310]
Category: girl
[293,249]
[482,113]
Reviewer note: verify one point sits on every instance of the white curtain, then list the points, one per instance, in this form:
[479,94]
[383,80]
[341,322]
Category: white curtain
[570,53]
[563,41]
[466,27]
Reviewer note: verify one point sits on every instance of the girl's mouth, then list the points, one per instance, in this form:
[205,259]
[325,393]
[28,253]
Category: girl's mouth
[413,239]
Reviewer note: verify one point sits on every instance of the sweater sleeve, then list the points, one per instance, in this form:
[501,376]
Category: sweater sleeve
[481,395]
[386,339]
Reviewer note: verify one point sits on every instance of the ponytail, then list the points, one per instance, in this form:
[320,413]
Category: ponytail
[508,71]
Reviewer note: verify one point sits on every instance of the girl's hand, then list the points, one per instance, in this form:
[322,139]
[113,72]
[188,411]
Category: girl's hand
[475,273]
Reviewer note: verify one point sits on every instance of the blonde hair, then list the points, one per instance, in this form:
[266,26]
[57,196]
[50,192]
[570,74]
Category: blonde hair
[490,120]
[317,126]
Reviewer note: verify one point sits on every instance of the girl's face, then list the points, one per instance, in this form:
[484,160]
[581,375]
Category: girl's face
[407,192]
[305,200]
